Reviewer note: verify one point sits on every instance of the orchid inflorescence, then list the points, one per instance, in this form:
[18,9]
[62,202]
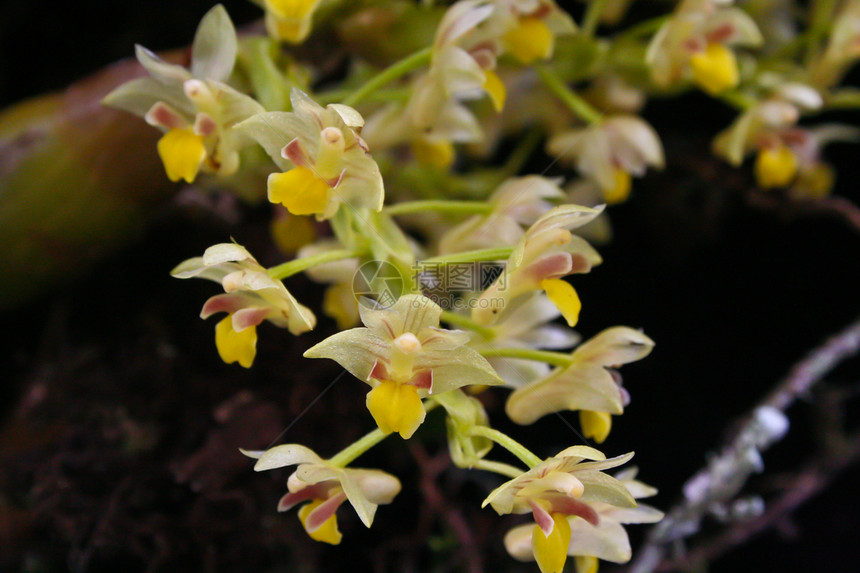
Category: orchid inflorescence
[480,259]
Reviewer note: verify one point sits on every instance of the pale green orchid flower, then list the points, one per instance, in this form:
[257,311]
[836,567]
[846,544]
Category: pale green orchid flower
[326,486]
[194,107]
[589,542]
[571,483]
[586,385]
[250,297]
[517,202]
[403,355]
[546,253]
[325,161]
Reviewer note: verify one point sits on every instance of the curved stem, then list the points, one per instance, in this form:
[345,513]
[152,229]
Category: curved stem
[389,74]
[821,18]
[296,266]
[553,358]
[738,99]
[352,451]
[592,17]
[355,449]
[498,467]
[517,449]
[340,94]
[442,205]
[645,28]
[584,110]
[499,254]
[465,322]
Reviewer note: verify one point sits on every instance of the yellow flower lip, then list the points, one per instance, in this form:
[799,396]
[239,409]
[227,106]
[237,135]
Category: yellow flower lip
[715,68]
[620,191]
[530,40]
[396,407]
[439,154]
[300,190]
[291,8]
[564,297]
[775,167]
[182,152]
[550,550]
[327,532]
[236,346]
[495,88]
[595,425]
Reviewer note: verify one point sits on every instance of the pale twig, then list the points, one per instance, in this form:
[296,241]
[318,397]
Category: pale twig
[718,483]
[800,488]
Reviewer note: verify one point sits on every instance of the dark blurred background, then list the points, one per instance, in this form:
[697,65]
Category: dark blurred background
[119,424]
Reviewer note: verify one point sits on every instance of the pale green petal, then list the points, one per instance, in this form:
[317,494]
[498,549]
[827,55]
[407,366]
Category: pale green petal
[502,498]
[518,542]
[378,486]
[275,129]
[639,514]
[604,488]
[225,252]
[170,74]
[573,388]
[746,32]
[614,347]
[411,313]
[459,367]
[301,319]
[311,473]
[196,268]
[562,217]
[604,464]
[607,541]
[581,453]
[214,50]
[356,350]
[349,115]
[286,455]
[137,96]
[362,505]
[235,107]
[188,268]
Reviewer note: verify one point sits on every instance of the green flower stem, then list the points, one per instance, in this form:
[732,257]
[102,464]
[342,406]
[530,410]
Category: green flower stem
[498,467]
[507,442]
[465,322]
[340,94]
[352,451]
[388,75]
[584,110]
[738,99]
[346,456]
[645,28]
[472,256]
[592,18]
[821,18]
[442,205]
[297,266]
[553,358]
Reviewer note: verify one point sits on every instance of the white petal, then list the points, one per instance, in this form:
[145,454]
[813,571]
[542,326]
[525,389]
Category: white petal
[286,455]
